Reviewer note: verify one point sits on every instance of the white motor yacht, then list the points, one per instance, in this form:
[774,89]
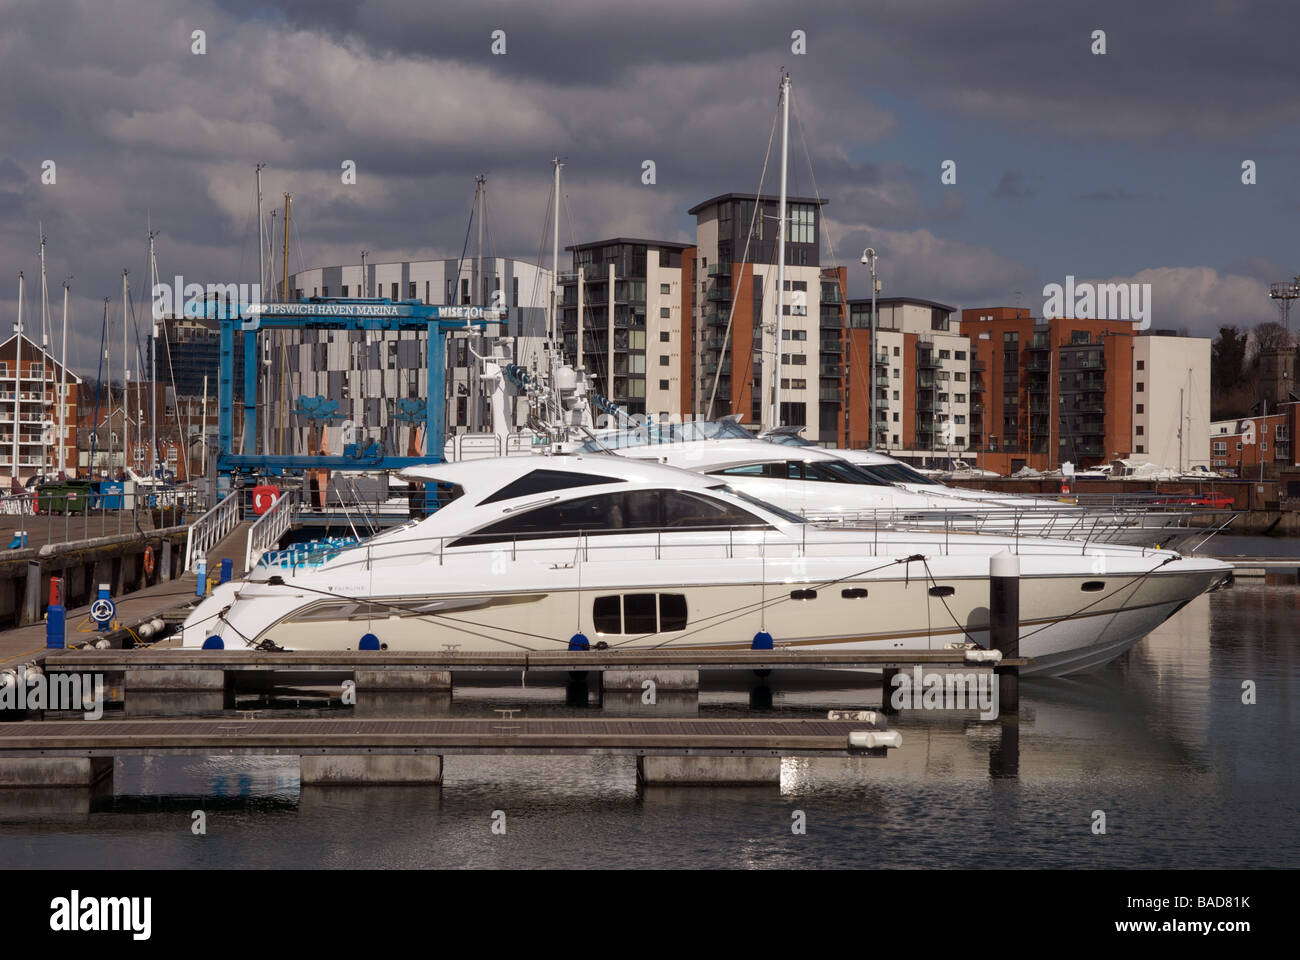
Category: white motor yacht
[553,553]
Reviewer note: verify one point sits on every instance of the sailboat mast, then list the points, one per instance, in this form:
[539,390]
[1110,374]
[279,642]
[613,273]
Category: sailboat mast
[555,261]
[153,369]
[480,289]
[63,386]
[126,385]
[18,375]
[45,346]
[775,417]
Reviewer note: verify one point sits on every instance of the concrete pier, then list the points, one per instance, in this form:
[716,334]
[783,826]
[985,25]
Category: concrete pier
[55,771]
[708,771]
[322,770]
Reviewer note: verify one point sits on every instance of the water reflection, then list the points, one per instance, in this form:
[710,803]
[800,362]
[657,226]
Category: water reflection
[1187,774]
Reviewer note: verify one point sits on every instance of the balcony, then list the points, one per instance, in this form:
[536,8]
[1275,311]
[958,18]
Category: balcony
[831,370]
[882,381]
[830,393]
[719,294]
[832,346]
[1039,364]
[1092,428]
[924,405]
[719,270]
[926,361]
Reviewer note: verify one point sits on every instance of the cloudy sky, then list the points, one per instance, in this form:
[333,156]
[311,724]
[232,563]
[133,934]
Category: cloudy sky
[1125,165]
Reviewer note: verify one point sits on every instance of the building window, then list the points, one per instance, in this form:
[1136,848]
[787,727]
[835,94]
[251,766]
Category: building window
[665,289]
[1140,430]
[895,394]
[1141,407]
[345,289]
[896,417]
[411,295]
[663,313]
[663,360]
[664,336]
[959,398]
[1141,364]
[663,384]
[1141,449]
[959,355]
[1141,387]
[514,283]
[896,354]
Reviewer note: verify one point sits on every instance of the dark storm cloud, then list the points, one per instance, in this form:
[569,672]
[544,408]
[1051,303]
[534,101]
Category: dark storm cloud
[144,132]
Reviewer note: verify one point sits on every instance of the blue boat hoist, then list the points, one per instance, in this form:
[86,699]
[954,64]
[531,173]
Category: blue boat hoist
[322,313]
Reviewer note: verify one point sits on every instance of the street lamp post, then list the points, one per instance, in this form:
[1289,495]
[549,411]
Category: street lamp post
[869,257]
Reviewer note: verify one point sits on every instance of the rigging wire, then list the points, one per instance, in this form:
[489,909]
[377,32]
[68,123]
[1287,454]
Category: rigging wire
[749,236]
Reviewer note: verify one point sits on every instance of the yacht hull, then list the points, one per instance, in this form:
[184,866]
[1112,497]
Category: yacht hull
[1069,624]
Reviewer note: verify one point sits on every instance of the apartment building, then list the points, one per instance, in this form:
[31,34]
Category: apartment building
[1171,400]
[1255,445]
[737,362]
[391,365]
[30,399]
[921,378]
[632,315]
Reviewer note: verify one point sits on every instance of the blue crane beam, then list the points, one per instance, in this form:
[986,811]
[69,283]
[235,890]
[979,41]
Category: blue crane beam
[322,313]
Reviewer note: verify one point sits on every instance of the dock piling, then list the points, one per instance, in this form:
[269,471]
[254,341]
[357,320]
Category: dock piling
[1004,625]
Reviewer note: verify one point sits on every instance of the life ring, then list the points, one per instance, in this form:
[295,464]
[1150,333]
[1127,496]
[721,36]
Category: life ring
[148,561]
[264,498]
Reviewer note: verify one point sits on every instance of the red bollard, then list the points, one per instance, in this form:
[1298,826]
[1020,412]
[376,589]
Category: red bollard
[56,590]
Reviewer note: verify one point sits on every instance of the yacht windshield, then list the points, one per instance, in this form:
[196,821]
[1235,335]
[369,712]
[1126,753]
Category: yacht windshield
[788,440]
[895,473]
[784,514]
[647,434]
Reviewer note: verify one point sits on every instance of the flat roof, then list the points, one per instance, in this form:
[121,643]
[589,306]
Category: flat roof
[895,301]
[669,244]
[774,198]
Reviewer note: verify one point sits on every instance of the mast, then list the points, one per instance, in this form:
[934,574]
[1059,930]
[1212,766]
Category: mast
[153,369]
[45,346]
[63,386]
[284,334]
[775,415]
[261,238]
[126,387]
[107,386]
[480,289]
[284,285]
[18,375]
[555,262]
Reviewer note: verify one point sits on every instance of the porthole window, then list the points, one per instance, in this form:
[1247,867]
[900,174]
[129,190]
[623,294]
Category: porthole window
[854,593]
[803,594]
[942,591]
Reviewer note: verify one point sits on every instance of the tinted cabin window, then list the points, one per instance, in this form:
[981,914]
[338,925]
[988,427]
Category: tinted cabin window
[746,470]
[672,612]
[609,513]
[640,613]
[608,614]
[544,481]
[636,613]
